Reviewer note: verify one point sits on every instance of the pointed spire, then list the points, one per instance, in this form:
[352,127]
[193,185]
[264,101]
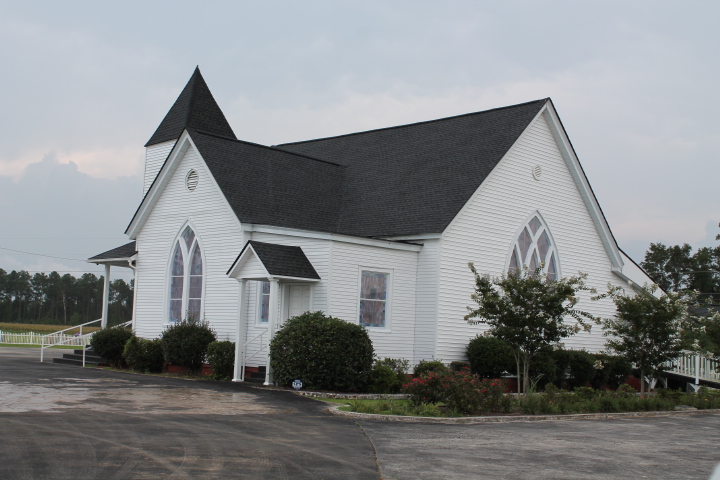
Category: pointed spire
[194,108]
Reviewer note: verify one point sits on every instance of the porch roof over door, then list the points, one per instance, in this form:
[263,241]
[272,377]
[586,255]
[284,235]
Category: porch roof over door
[117,257]
[263,261]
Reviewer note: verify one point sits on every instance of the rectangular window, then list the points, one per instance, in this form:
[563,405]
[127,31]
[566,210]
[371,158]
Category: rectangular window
[373,298]
[264,302]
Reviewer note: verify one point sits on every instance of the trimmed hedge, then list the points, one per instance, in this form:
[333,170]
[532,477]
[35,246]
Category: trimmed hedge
[326,353]
[490,357]
[185,343]
[426,366]
[109,343]
[144,355]
[221,357]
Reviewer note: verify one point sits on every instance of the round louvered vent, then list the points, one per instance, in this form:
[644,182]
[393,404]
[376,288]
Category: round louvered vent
[537,172]
[191,180]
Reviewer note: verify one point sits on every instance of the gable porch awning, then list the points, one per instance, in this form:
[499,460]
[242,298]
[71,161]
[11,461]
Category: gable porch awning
[265,261]
[117,257]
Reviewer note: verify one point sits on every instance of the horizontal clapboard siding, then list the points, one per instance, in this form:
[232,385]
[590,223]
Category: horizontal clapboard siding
[426,301]
[345,294]
[155,156]
[219,232]
[486,228]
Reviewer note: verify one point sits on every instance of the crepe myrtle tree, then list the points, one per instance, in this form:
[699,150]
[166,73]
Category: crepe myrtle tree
[529,311]
[647,329]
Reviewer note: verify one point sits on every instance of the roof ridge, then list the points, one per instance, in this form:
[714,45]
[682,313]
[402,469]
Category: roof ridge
[237,140]
[546,99]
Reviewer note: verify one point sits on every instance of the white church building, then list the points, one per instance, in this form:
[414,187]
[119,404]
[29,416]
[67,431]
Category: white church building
[373,227]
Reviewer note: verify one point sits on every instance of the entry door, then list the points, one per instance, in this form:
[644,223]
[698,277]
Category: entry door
[298,300]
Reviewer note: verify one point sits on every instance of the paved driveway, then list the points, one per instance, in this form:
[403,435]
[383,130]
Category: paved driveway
[65,422]
[68,422]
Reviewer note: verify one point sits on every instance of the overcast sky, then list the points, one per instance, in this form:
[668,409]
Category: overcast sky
[84,85]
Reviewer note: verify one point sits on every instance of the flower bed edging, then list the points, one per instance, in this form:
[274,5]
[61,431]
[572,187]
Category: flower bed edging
[355,396]
[335,410]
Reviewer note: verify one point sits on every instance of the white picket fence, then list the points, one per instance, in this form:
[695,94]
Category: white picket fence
[31,338]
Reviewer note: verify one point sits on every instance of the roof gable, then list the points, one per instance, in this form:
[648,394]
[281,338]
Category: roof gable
[194,108]
[259,260]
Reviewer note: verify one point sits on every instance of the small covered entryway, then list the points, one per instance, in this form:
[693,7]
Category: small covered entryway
[287,278]
[123,256]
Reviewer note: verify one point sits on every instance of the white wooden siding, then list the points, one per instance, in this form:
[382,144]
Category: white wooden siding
[426,301]
[486,227]
[220,234]
[155,156]
[398,341]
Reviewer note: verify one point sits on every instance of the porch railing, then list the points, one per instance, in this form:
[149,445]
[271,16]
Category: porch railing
[244,357]
[56,338]
[697,366]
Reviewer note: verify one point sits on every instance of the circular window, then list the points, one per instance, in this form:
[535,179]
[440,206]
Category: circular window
[191,180]
[537,172]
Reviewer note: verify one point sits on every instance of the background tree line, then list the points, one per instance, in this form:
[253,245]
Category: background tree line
[676,268]
[61,299]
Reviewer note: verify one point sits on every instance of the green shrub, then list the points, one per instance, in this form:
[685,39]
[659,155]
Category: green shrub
[185,343]
[326,353]
[221,357]
[575,368]
[398,365]
[456,366]
[426,366]
[610,371]
[110,342]
[383,379]
[490,357]
[543,369]
[144,355]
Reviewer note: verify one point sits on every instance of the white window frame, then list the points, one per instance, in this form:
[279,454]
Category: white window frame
[258,308]
[553,244]
[197,242]
[387,328]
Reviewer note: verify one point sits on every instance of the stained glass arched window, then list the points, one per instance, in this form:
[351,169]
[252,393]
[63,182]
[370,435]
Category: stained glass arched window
[534,248]
[186,278]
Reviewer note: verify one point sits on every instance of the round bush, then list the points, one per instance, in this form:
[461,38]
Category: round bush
[185,343]
[221,357]
[575,368]
[110,342]
[144,355]
[326,353]
[383,379]
[490,357]
[426,366]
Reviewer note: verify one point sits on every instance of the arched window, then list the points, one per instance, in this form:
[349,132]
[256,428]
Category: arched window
[533,248]
[186,278]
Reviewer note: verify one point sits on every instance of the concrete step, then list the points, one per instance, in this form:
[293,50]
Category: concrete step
[70,361]
[88,357]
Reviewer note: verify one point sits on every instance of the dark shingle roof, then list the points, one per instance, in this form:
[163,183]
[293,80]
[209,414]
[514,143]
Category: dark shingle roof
[283,260]
[272,187]
[194,108]
[415,178]
[125,251]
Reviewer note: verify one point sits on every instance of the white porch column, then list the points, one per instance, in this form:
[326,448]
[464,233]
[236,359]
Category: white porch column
[241,336]
[274,301]
[135,289]
[106,297]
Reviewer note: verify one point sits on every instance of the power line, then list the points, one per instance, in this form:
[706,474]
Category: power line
[42,255]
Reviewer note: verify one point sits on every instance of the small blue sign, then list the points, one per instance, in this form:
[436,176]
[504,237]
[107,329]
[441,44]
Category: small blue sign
[297,384]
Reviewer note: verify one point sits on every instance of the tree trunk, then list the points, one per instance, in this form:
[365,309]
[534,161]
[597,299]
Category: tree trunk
[519,376]
[526,374]
[642,382]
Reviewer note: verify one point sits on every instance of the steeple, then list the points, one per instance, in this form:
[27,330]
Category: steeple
[194,108]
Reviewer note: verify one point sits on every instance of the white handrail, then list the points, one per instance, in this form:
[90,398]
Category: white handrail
[244,358]
[697,366]
[87,335]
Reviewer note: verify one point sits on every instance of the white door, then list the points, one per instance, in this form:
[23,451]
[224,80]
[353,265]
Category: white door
[297,300]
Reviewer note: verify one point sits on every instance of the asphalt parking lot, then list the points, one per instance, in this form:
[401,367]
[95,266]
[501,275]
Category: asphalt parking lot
[62,422]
